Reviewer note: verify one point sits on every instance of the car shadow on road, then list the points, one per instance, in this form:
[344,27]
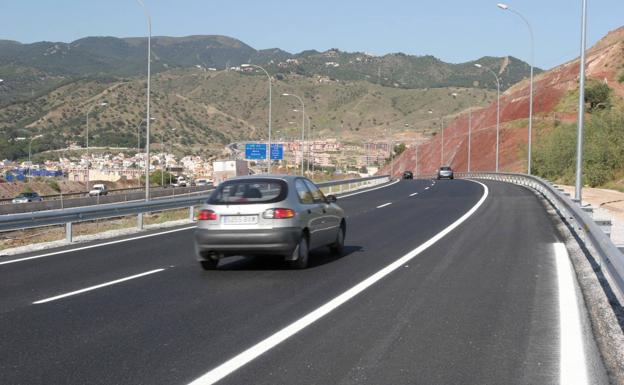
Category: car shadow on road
[317,257]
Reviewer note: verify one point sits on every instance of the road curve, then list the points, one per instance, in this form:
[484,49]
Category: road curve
[478,306]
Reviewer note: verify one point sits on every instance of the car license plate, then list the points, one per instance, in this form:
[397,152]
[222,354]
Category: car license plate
[240,219]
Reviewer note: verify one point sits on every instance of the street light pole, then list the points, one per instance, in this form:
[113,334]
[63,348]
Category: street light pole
[302,126]
[139,139]
[416,171]
[530,139]
[103,104]
[469,136]
[581,109]
[310,146]
[442,151]
[270,117]
[497,109]
[147,119]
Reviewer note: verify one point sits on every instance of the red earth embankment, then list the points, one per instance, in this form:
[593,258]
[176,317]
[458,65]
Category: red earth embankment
[605,61]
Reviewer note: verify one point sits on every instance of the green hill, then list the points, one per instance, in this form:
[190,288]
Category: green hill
[200,111]
[200,106]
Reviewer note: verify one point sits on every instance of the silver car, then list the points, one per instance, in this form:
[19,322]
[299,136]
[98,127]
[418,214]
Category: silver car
[27,197]
[268,215]
[445,172]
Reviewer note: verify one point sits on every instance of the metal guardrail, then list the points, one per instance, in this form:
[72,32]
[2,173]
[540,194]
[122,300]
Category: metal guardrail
[610,258]
[89,213]
[120,196]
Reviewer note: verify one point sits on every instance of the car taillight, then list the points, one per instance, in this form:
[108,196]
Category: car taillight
[207,215]
[279,214]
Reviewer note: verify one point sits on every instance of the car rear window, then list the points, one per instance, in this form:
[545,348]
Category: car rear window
[445,168]
[249,191]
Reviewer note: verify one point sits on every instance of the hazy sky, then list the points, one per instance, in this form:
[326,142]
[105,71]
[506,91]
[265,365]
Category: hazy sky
[453,30]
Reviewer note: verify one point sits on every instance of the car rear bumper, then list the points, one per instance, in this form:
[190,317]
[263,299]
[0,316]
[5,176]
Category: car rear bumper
[217,243]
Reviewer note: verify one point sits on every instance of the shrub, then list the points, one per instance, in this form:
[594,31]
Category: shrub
[603,150]
[54,185]
[598,95]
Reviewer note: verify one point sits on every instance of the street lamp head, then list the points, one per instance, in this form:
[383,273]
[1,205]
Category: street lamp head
[478,65]
[285,94]
[502,6]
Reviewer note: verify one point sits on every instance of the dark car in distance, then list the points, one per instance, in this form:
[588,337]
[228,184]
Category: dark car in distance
[408,175]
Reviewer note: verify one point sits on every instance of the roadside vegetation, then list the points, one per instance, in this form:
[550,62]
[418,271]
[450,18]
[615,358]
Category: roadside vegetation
[603,151]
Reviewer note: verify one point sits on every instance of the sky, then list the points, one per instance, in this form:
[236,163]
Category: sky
[453,30]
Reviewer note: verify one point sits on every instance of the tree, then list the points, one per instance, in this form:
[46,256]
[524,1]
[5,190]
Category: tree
[399,148]
[157,177]
[598,95]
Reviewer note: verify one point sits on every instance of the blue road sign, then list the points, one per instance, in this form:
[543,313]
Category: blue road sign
[255,151]
[277,151]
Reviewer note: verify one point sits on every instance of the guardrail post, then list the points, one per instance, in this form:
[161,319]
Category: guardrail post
[140,221]
[68,232]
[192,213]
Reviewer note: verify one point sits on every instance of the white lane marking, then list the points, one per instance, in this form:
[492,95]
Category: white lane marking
[270,342]
[97,286]
[384,205]
[148,235]
[572,364]
[413,194]
[98,245]
[372,189]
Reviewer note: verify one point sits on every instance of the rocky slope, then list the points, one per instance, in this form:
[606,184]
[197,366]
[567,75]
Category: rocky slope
[553,101]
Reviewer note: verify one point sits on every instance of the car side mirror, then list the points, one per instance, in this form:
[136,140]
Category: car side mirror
[331,199]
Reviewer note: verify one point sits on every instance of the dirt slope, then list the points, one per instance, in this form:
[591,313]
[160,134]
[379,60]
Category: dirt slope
[605,61]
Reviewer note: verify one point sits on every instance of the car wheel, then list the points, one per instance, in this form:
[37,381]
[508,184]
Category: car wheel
[337,248]
[300,254]
[209,264]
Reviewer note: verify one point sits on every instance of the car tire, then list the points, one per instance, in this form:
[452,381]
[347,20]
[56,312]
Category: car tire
[209,264]
[301,254]
[337,248]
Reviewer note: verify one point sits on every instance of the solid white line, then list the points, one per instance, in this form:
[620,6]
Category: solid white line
[413,194]
[572,364]
[384,205]
[94,246]
[372,189]
[96,287]
[263,346]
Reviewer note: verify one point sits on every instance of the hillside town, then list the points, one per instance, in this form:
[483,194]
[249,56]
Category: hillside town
[114,165]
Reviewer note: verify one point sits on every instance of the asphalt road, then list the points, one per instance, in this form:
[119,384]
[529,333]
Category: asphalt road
[112,197]
[479,306]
